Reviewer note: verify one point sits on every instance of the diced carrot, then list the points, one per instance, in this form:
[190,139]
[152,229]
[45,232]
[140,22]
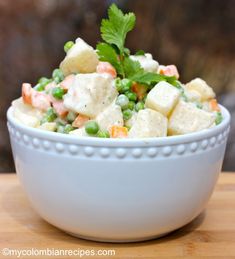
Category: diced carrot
[214,105]
[170,70]
[60,108]
[37,99]
[80,121]
[27,93]
[67,82]
[40,100]
[106,67]
[139,89]
[118,132]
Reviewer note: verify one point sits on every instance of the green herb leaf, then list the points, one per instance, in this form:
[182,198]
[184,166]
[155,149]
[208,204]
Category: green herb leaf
[127,52]
[140,53]
[115,28]
[135,72]
[107,53]
[148,78]
[131,67]
[113,32]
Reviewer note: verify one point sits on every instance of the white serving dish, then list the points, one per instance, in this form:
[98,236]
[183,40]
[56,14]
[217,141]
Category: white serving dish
[118,190]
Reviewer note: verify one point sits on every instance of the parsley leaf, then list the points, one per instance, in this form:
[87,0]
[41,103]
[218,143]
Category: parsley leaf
[107,53]
[115,29]
[140,53]
[127,52]
[131,67]
[134,72]
[148,78]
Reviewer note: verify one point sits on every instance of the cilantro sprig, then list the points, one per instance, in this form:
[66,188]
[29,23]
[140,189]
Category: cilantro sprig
[115,29]
[114,32]
[107,53]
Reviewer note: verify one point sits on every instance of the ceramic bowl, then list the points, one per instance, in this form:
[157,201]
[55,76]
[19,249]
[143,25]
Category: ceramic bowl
[118,190]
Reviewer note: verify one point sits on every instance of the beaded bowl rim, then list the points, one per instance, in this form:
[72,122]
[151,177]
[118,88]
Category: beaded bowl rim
[135,142]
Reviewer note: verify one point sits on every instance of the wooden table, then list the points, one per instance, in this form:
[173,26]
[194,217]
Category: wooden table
[210,234]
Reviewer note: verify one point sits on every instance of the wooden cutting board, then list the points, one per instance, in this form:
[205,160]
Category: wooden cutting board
[211,234]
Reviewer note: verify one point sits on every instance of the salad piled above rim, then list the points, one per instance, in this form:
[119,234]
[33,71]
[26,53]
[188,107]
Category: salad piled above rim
[109,93]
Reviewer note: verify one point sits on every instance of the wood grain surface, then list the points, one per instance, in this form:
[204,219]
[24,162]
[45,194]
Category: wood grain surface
[211,234]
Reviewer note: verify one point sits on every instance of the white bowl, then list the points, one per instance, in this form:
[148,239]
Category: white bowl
[118,190]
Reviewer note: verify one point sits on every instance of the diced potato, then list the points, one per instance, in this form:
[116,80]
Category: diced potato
[147,62]
[90,94]
[206,106]
[26,119]
[81,58]
[79,132]
[200,86]
[149,123]
[162,98]
[187,118]
[48,126]
[26,114]
[112,115]
[192,95]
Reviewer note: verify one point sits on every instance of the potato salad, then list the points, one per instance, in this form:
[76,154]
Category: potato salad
[107,92]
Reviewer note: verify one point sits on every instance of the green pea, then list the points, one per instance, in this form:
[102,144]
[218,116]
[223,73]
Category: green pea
[46,82]
[68,45]
[57,75]
[103,134]
[123,85]
[42,82]
[71,116]
[58,92]
[50,116]
[124,89]
[219,118]
[60,128]
[39,87]
[126,84]
[184,97]
[118,84]
[68,128]
[131,105]
[127,114]
[51,113]
[131,96]
[122,101]
[199,105]
[139,106]
[57,80]
[144,98]
[91,127]
[60,121]
[177,84]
